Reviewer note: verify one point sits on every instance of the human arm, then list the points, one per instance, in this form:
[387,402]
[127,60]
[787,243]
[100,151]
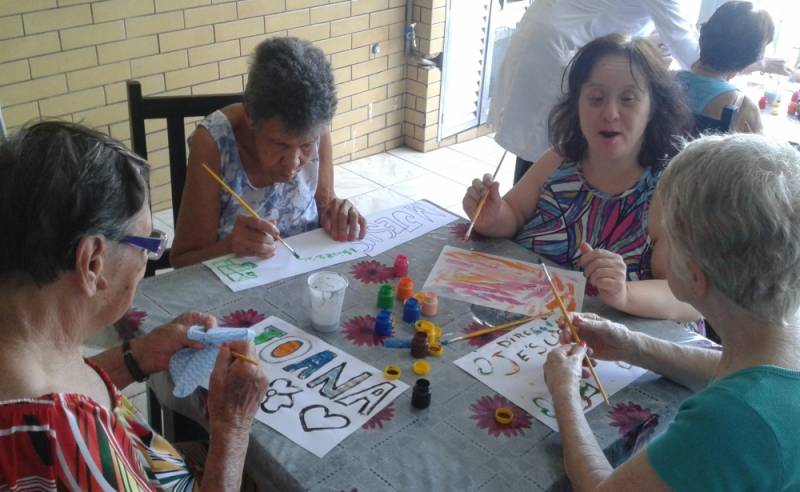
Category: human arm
[198,219]
[749,118]
[153,350]
[585,463]
[676,29]
[503,217]
[646,298]
[338,217]
[777,66]
[236,388]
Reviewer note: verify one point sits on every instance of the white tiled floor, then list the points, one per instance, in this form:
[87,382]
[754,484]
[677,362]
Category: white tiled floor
[399,176]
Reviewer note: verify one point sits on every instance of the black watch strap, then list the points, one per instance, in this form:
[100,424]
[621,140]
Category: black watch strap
[130,362]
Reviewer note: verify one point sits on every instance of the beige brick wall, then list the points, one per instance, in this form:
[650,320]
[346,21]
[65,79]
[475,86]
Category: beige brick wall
[69,59]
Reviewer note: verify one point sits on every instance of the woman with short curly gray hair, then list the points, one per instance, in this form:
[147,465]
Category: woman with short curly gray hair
[732,217]
[275,151]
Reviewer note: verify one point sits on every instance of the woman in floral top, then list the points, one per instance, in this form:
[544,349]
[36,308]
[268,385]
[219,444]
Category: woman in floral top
[274,150]
[71,255]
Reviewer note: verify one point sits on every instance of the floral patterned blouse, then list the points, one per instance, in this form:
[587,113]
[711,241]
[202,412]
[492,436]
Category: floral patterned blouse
[291,204]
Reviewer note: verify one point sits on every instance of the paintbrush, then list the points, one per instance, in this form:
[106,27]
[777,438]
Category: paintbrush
[573,330]
[483,199]
[244,358]
[491,329]
[245,205]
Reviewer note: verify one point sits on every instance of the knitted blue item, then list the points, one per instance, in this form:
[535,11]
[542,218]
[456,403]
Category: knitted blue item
[191,368]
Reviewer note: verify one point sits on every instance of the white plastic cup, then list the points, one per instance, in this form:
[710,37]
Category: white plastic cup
[326,292]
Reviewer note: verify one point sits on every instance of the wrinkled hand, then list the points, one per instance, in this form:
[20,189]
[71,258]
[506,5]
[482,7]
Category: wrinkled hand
[235,390]
[605,339]
[153,350]
[341,220]
[607,272]
[564,369]
[491,209]
[252,236]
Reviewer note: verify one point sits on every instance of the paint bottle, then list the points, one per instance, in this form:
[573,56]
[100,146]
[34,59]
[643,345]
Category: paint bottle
[419,345]
[405,289]
[431,304]
[411,311]
[401,266]
[383,323]
[421,394]
[385,297]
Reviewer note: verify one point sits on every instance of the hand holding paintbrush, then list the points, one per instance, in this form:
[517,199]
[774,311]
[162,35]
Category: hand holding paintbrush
[573,330]
[482,202]
[245,205]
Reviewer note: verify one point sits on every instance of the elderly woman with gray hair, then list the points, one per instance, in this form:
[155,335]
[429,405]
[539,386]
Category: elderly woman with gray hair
[732,216]
[77,235]
[274,150]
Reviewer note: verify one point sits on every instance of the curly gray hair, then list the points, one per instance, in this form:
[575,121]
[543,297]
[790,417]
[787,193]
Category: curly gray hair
[290,78]
[732,204]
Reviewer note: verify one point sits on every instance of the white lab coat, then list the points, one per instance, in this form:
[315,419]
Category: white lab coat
[549,34]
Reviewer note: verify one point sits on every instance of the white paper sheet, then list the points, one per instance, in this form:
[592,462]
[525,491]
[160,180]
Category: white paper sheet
[502,283]
[318,395]
[512,365]
[316,249]
[392,227]
[385,230]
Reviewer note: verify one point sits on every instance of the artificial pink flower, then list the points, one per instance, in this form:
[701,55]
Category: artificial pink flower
[372,272]
[128,325]
[361,331]
[242,318]
[633,421]
[481,340]
[483,412]
[380,418]
[459,230]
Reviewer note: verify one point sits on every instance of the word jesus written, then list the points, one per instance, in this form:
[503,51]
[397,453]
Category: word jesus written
[316,388]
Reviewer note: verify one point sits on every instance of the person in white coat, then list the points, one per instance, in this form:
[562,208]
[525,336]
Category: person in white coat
[547,37]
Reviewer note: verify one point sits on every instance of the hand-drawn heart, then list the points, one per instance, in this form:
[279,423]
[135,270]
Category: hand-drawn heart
[279,395]
[318,417]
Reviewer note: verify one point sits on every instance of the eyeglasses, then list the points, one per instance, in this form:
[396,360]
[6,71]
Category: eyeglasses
[154,245]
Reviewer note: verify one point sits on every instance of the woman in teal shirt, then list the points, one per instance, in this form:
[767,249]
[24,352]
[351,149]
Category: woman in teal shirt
[735,257]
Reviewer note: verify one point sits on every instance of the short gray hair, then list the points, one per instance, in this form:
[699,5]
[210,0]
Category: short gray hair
[732,204]
[290,78]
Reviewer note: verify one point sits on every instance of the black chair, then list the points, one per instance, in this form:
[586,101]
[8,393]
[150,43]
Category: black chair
[173,109]
[725,124]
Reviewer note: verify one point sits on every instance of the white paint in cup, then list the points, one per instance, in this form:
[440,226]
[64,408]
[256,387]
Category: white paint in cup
[326,292]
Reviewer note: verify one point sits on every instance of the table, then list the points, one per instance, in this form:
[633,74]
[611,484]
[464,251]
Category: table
[779,126]
[443,447]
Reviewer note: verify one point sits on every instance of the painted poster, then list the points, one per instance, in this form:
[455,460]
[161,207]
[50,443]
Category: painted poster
[318,395]
[502,283]
[316,249]
[385,230]
[392,227]
[512,365]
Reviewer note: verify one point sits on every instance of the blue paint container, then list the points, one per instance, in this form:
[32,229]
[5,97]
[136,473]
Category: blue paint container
[411,310]
[383,323]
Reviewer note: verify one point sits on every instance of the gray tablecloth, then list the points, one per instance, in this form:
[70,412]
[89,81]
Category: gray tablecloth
[452,445]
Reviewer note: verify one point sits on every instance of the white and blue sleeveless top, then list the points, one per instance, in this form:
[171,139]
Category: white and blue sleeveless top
[291,204]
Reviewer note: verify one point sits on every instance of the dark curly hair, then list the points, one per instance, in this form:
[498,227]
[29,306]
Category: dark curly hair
[291,79]
[735,36]
[669,114]
[60,182]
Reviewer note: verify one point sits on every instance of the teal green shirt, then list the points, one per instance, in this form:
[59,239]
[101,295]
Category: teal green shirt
[740,433]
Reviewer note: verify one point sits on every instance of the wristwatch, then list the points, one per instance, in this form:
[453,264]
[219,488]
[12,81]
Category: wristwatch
[130,362]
